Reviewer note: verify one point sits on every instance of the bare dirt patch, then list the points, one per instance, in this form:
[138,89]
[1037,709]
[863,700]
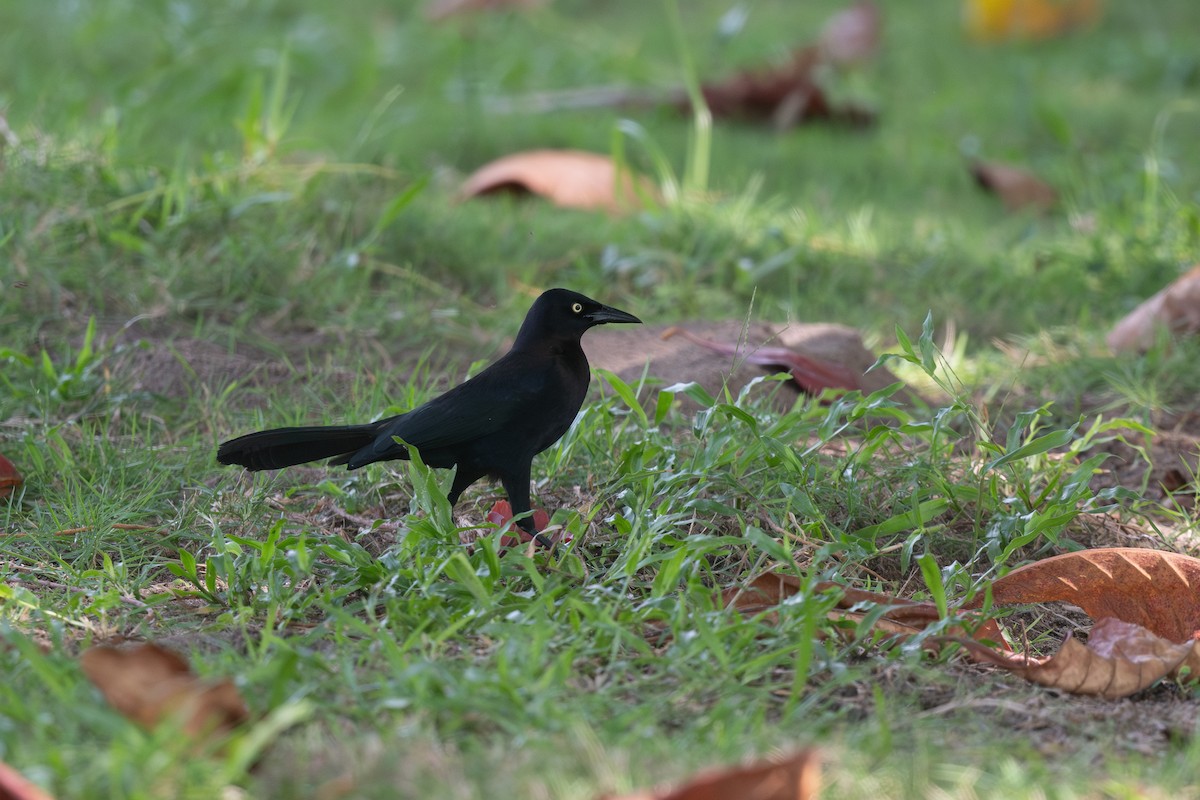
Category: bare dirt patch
[1162,468]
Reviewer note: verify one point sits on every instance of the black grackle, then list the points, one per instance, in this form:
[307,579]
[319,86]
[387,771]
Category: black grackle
[493,424]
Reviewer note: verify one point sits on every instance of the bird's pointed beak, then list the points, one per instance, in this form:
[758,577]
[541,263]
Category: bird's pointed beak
[605,314]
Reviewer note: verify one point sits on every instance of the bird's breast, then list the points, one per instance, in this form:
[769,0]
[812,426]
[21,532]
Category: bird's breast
[559,400]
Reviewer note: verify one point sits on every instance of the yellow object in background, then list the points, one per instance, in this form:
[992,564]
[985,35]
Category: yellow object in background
[993,20]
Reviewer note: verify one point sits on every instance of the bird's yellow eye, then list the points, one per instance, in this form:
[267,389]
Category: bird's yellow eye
[577,307]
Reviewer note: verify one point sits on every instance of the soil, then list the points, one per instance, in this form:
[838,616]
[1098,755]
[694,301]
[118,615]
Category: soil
[1162,467]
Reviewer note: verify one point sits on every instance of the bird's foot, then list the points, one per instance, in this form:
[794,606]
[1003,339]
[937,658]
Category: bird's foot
[501,514]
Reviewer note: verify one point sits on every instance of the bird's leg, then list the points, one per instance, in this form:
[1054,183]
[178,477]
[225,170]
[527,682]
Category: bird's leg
[516,485]
[462,479]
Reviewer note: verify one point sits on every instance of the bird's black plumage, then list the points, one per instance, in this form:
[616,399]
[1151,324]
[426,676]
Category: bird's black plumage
[491,425]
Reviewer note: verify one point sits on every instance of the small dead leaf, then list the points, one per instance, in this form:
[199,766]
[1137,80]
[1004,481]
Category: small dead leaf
[1157,590]
[991,20]
[1119,659]
[501,514]
[797,777]
[10,479]
[15,786]
[441,9]
[568,178]
[149,684]
[851,36]
[784,95]
[1176,309]
[812,375]
[1017,188]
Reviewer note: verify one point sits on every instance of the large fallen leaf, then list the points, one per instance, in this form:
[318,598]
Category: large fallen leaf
[785,95]
[1028,19]
[150,684]
[902,617]
[678,360]
[568,178]
[1017,188]
[797,777]
[812,375]
[851,36]
[1159,591]
[10,479]
[1150,590]
[1119,659]
[1175,309]
[15,786]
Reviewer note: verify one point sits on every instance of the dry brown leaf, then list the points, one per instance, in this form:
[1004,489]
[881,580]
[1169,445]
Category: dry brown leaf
[10,479]
[568,178]
[797,777]
[902,617]
[1176,309]
[1148,613]
[677,360]
[1028,19]
[441,9]
[812,375]
[1017,188]
[149,684]
[784,95]
[15,786]
[851,36]
[1119,659]
[1159,591]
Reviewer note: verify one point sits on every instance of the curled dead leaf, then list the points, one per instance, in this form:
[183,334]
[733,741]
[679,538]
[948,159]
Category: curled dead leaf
[149,684]
[1148,611]
[1157,590]
[797,777]
[10,478]
[1017,188]
[1175,309]
[1119,659]
[568,178]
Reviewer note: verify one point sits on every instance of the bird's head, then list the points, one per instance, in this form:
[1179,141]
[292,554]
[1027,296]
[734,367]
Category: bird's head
[560,314]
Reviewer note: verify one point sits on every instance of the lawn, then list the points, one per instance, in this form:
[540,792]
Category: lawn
[222,216]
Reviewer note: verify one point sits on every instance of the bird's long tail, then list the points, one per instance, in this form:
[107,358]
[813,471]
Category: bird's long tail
[284,447]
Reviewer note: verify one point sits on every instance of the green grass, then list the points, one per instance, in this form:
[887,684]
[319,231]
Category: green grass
[270,188]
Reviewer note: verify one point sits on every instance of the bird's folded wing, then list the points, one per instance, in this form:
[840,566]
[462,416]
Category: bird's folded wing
[470,411]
